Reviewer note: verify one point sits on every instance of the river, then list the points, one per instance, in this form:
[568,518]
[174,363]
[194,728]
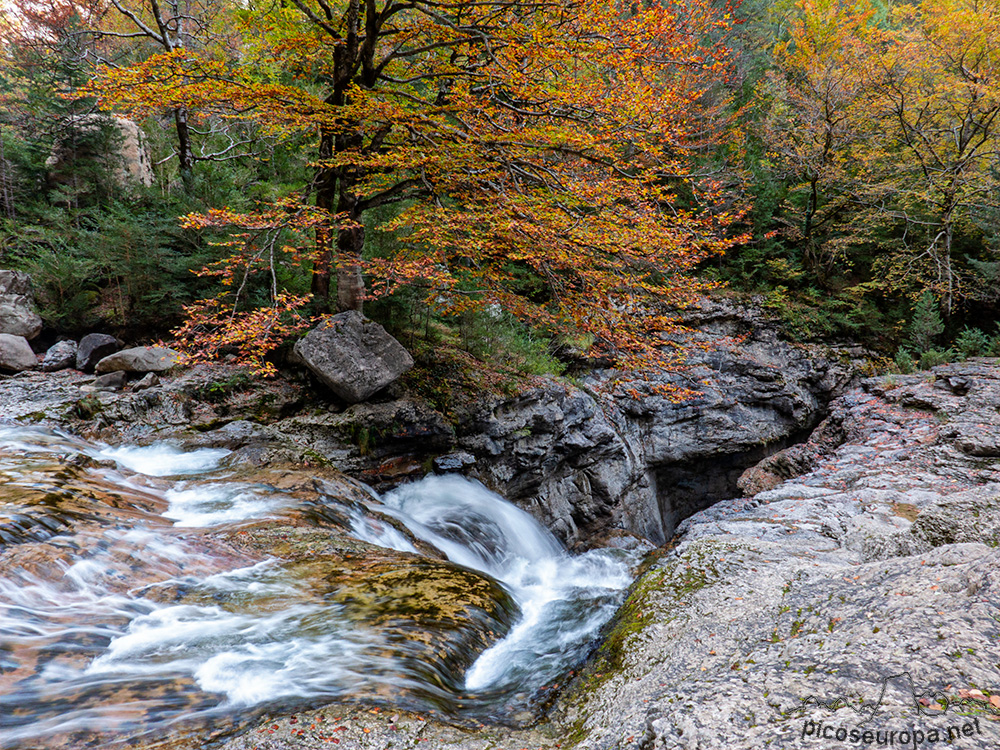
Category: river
[131,604]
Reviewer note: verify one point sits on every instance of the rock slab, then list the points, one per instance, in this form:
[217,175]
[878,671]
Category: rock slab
[353,356]
[859,592]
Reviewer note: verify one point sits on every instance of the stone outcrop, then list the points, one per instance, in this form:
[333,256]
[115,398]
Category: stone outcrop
[93,348]
[129,162]
[586,460]
[16,354]
[353,356]
[139,359]
[873,563]
[17,306]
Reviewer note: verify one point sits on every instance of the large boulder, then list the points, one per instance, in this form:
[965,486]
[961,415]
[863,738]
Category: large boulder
[115,141]
[93,348]
[353,356]
[140,359]
[17,305]
[16,354]
[60,356]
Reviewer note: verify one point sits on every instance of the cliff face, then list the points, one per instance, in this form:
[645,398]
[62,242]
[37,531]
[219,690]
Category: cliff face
[587,462]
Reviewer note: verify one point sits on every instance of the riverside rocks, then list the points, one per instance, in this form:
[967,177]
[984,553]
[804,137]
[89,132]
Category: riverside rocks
[353,356]
[60,356]
[877,565]
[862,558]
[778,619]
[139,359]
[16,354]
[586,461]
[93,348]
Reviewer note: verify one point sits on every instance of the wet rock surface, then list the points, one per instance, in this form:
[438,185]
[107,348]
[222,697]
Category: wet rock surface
[90,552]
[864,558]
[872,563]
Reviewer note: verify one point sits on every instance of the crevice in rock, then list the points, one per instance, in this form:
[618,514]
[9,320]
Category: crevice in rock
[685,487]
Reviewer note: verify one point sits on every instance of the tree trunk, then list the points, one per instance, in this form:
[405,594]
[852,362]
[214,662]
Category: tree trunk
[350,283]
[184,152]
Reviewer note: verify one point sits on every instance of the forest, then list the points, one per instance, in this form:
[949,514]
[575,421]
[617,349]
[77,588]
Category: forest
[516,182]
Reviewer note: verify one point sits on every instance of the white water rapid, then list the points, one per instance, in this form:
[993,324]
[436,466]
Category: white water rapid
[119,601]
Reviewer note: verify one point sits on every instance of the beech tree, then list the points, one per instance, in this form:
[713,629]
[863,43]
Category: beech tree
[938,90]
[548,138]
[819,113]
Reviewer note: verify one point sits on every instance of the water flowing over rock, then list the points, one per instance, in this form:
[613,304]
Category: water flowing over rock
[353,356]
[17,306]
[157,597]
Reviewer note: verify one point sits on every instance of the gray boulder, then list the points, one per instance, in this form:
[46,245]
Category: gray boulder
[93,348]
[140,359]
[17,306]
[353,356]
[60,356]
[112,380]
[16,354]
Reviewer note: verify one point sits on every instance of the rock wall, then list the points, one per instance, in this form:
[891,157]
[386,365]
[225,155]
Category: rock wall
[587,462]
[130,162]
[859,593]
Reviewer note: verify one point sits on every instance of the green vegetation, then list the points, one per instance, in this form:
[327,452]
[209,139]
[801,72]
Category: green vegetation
[856,220]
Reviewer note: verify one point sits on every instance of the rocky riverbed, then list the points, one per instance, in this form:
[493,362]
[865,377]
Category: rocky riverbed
[850,595]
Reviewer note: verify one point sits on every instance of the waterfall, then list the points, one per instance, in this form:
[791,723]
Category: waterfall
[128,586]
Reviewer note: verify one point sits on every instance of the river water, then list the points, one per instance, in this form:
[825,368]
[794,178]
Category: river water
[121,614]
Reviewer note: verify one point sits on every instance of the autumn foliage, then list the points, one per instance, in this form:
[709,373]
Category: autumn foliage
[557,142]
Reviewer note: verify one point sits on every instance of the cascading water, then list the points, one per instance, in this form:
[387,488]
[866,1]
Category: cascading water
[128,601]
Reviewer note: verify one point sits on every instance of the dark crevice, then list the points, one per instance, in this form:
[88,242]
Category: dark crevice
[685,487]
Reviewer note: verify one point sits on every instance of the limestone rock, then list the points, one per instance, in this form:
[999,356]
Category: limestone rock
[60,356]
[140,359]
[17,305]
[16,353]
[129,162]
[586,461]
[149,381]
[93,348]
[353,356]
[453,462]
